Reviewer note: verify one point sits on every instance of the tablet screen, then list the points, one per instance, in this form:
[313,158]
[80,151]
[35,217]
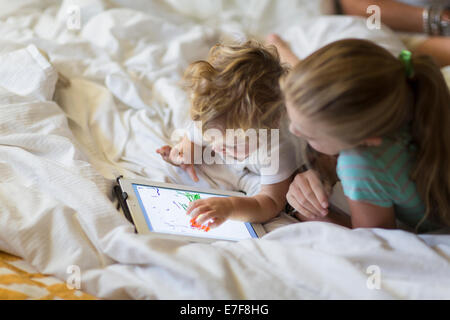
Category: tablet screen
[165,211]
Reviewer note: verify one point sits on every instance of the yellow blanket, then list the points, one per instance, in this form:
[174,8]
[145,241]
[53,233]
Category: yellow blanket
[19,281]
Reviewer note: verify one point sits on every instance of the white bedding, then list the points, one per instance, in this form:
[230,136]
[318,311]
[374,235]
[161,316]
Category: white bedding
[59,160]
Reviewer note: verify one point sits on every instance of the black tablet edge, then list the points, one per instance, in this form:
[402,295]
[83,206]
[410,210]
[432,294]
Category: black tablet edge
[122,197]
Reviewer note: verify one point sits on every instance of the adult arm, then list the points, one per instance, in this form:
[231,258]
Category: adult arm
[397,15]
[362,215]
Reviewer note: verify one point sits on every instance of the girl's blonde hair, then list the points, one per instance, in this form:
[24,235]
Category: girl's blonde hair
[360,90]
[237,87]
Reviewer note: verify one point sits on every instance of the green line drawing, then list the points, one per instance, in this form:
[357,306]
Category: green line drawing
[190,196]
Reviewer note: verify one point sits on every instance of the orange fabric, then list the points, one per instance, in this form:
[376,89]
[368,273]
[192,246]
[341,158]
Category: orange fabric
[18,281]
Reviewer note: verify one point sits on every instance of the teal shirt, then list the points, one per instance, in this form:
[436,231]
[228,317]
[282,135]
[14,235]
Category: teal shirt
[381,176]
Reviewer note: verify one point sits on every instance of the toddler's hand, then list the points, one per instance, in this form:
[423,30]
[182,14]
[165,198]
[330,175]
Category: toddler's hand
[308,196]
[212,211]
[175,156]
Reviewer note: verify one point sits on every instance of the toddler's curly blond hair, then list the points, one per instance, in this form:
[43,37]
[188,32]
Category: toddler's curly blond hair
[237,87]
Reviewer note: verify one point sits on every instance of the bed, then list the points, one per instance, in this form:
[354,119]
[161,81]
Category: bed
[63,144]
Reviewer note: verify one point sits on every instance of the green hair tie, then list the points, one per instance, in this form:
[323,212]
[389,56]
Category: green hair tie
[405,57]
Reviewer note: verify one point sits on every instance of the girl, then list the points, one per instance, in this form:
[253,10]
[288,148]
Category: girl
[388,120]
[237,87]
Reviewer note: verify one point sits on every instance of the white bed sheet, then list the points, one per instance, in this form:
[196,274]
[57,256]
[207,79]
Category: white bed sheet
[59,160]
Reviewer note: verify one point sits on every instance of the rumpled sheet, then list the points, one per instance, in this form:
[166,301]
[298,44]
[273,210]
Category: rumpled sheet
[62,148]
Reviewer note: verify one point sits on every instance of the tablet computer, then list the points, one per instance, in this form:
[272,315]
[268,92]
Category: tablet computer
[160,208]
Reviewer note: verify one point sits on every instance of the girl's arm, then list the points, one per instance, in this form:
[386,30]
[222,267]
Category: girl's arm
[363,215]
[267,204]
[331,217]
[397,15]
[366,215]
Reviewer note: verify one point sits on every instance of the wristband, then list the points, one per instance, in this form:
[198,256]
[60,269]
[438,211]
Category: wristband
[435,20]
[445,25]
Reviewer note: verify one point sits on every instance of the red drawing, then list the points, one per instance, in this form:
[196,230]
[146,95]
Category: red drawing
[195,225]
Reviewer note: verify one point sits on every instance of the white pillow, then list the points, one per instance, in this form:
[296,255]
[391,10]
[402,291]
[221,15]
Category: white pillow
[282,9]
[308,36]
[27,73]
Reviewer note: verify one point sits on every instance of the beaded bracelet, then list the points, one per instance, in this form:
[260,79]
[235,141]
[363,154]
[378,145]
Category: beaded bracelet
[433,22]
[445,27]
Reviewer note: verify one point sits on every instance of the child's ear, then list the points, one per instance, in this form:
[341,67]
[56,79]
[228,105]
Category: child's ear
[373,142]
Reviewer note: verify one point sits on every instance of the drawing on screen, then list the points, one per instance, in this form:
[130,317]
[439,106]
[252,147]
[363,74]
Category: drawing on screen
[166,208]
[174,217]
[191,198]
